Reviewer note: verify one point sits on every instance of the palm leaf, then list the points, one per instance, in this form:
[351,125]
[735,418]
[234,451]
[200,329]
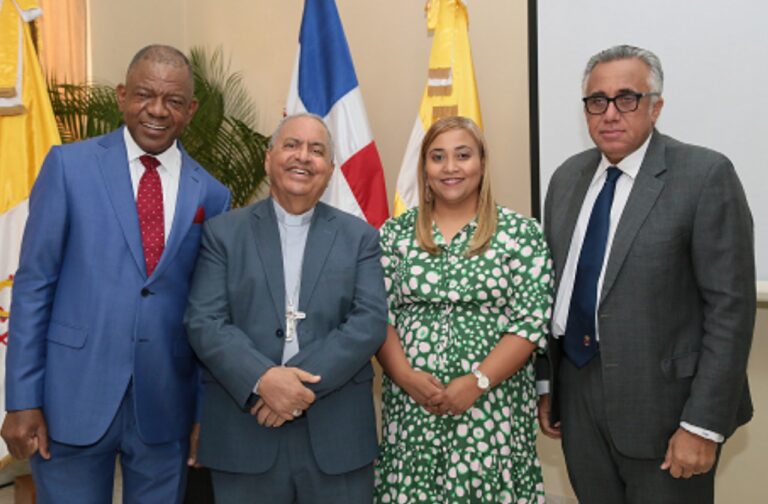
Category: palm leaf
[84,111]
[216,86]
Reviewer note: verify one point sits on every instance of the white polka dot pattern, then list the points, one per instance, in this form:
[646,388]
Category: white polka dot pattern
[450,311]
[149,204]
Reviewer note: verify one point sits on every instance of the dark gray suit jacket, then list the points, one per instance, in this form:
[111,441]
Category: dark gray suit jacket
[236,323]
[677,306]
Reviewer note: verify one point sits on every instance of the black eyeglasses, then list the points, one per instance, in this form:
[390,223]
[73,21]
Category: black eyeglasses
[624,102]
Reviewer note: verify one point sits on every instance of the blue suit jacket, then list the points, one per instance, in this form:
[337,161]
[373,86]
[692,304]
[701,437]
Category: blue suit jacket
[236,323]
[85,319]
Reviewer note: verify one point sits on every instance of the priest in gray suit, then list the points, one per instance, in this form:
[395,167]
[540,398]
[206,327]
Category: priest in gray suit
[286,309]
[653,250]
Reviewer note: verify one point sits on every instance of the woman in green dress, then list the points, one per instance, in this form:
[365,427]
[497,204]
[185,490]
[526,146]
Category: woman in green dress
[469,286]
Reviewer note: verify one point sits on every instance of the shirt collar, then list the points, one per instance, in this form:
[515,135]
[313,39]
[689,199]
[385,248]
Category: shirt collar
[467,230]
[629,166]
[289,219]
[170,159]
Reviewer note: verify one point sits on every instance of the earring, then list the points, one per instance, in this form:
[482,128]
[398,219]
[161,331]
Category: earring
[427,195]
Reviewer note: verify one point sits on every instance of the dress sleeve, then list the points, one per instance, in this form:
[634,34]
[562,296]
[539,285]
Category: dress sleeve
[531,286]
[390,260]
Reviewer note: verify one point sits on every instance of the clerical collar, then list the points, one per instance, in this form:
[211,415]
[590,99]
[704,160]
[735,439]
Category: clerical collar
[289,219]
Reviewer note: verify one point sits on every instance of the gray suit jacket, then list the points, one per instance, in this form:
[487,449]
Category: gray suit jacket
[236,324]
[677,306]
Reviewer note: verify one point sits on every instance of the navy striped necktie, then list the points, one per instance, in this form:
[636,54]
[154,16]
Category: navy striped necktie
[580,344]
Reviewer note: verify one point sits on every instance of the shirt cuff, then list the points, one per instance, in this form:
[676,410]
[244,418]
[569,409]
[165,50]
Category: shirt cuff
[706,434]
[542,387]
[256,387]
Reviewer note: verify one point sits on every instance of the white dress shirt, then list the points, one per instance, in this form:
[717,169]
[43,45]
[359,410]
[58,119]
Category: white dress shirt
[169,171]
[629,167]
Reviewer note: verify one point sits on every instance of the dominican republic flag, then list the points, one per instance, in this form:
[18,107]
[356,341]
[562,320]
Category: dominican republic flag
[324,83]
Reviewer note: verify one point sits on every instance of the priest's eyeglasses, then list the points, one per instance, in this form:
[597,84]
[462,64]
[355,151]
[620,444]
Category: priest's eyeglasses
[624,102]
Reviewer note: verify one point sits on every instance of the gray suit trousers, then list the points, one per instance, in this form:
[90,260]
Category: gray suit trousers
[295,477]
[598,472]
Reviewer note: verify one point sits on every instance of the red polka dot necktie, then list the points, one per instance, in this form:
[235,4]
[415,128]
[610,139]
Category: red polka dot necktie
[149,202]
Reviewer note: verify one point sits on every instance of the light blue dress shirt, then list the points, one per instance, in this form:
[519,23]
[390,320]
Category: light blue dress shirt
[293,239]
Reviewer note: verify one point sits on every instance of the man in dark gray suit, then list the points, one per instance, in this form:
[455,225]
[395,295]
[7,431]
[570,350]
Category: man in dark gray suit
[653,250]
[286,309]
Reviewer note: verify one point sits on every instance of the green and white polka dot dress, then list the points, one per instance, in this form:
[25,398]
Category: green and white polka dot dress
[450,311]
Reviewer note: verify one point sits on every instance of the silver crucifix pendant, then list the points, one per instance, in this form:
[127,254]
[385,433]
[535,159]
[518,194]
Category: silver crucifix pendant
[291,317]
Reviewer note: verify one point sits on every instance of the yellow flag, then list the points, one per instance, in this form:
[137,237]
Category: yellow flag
[450,90]
[27,132]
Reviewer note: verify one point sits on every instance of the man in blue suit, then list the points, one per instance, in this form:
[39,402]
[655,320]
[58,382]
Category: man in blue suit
[286,309]
[98,360]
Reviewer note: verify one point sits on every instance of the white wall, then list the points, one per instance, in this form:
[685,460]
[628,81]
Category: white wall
[713,54]
[119,29]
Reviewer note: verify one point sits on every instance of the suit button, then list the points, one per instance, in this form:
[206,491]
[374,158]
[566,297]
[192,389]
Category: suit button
[279,333]
[145,292]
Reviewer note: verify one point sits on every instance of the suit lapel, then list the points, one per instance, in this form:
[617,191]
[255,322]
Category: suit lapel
[321,235]
[565,224]
[113,163]
[187,200]
[264,224]
[645,192]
